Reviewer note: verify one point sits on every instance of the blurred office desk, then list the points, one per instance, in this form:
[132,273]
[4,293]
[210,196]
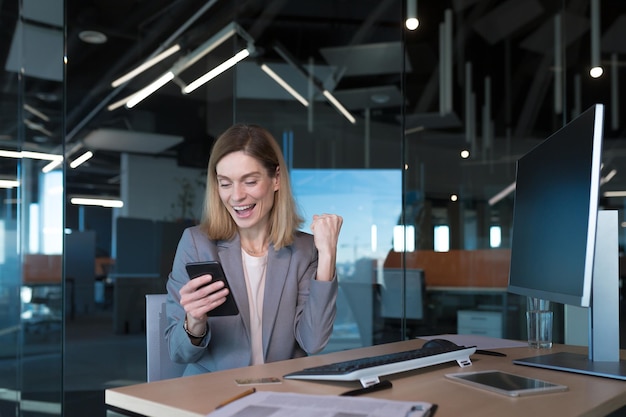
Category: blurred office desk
[197,396]
[497,301]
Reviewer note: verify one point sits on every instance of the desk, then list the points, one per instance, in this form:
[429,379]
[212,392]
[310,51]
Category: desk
[196,396]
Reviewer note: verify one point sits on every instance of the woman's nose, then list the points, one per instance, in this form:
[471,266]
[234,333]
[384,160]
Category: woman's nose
[238,192]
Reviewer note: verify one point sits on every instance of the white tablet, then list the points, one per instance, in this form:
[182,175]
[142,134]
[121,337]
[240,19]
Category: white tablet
[505,383]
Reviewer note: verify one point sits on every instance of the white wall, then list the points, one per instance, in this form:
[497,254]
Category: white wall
[150,187]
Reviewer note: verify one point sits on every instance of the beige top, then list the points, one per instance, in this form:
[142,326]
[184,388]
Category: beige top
[254,270]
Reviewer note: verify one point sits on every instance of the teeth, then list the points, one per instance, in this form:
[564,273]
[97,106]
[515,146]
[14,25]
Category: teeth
[243,207]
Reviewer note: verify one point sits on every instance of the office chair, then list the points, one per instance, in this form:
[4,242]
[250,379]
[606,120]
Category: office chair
[413,296]
[414,299]
[362,298]
[159,365]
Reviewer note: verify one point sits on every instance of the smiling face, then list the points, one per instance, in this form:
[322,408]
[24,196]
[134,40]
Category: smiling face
[246,190]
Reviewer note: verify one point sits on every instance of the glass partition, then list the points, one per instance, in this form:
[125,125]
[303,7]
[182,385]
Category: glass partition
[412,136]
[32,206]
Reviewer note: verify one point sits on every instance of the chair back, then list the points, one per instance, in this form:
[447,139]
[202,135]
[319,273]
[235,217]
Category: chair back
[159,365]
[393,289]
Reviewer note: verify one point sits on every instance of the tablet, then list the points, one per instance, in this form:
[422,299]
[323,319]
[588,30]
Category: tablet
[195,269]
[505,383]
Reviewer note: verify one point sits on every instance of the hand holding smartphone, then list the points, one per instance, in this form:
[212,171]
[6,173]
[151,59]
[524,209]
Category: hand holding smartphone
[196,269]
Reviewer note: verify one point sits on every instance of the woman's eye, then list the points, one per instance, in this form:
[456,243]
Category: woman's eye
[251,183]
[224,184]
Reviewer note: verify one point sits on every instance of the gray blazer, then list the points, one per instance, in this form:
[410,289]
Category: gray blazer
[298,311]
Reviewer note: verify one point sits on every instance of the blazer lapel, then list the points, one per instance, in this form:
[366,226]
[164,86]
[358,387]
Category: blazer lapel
[229,254]
[276,276]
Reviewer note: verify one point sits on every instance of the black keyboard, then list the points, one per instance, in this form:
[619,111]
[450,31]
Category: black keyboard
[368,369]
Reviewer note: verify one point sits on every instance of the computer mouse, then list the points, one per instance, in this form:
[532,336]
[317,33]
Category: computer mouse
[438,343]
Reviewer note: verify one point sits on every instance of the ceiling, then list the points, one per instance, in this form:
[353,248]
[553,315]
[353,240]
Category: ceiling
[355,46]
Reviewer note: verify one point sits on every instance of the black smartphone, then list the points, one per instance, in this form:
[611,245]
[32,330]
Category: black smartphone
[196,269]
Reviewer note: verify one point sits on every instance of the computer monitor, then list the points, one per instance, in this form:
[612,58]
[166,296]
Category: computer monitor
[555,250]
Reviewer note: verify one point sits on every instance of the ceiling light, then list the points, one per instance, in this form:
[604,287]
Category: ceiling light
[52,165]
[241,55]
[339,106]
[608,177]
[465,154]
[104,202]
[596,70]
[81,159]
[92,36]
[30,155]
[284,85]
[413,130]
[506,191]
[412,21]
[9,183]
[615,194]
[286,55]
[149,63]
[151,88]
[36,112]
[37,126]
[212,43]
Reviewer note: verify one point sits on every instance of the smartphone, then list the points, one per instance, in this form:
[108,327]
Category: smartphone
[506,383]
[196,269]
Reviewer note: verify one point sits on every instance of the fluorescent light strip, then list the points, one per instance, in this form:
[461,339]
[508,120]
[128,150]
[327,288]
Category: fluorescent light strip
[31,155]
[146,91]
[36,112]
[78,161]
[96,202]
[9,183]
[36,126]
[212,43]
[119,103]
[338,106]
[506,191]
[149,63]
[615,194]
[608,177]
[243,54]
[52,165]
[284,85]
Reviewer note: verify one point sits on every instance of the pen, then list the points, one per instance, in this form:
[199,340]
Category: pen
[489,352]
[237,397]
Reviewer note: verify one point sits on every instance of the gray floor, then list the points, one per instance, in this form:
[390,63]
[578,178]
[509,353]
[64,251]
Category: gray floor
[95,359]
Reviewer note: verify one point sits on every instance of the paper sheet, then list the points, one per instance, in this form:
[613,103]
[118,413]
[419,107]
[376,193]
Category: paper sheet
[280,404]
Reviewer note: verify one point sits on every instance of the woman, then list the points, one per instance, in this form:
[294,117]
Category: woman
[283,280]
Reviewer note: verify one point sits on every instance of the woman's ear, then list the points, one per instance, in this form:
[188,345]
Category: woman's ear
[277,179]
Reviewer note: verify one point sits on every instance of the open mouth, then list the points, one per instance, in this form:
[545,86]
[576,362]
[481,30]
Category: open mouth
[244,211]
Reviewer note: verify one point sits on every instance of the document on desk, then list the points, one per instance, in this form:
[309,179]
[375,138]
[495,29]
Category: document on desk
[285,404]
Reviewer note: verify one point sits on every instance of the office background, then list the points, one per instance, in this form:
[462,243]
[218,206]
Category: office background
[425,242]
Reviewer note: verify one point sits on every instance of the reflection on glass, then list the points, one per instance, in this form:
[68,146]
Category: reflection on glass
[370,202]
[442,238]
[495,236]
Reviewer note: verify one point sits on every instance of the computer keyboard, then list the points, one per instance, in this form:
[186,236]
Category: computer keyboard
[369,369]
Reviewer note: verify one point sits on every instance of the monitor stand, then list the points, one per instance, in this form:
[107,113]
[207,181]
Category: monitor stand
[603,358]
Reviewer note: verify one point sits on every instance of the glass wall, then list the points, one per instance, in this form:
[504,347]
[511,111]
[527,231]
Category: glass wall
[32,289]
[411,136]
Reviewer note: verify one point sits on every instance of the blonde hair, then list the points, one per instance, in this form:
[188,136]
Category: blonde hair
[257,142]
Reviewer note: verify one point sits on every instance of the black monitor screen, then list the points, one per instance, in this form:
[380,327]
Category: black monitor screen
[555,213]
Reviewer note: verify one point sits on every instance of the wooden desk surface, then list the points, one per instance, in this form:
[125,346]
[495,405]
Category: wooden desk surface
[197,396]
